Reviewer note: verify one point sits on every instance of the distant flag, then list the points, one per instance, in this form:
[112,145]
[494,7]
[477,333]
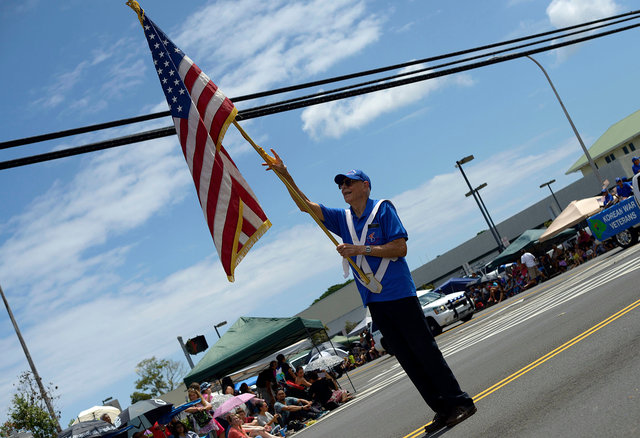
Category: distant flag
[201,114]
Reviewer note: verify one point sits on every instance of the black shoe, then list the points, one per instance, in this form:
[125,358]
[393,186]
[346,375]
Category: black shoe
[438,422]
[459,414]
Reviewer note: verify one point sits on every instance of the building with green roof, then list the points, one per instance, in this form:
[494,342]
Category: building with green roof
[620,142]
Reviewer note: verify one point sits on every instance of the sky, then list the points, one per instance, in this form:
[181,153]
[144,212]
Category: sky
[105,258]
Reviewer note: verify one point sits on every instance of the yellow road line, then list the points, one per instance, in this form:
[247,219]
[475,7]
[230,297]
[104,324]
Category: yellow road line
[542,359]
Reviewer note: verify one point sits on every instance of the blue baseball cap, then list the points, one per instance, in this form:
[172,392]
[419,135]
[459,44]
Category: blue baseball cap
[618,179]
[635,158]
[352,174]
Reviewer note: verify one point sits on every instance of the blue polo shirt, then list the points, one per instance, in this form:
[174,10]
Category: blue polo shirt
[625,191]
[386,227]
[635,168]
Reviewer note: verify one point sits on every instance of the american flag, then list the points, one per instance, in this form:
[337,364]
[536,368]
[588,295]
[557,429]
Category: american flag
[202,114]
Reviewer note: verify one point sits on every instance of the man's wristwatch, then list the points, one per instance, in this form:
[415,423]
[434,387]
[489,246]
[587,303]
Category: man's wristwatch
[367,249]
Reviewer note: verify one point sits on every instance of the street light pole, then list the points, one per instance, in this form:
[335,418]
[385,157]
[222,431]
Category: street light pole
[575,131]
[548,184]
[486,210]
[459,164]
[220,324]
[36,376]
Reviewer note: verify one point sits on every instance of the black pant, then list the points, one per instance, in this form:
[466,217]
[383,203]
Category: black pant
[404,327]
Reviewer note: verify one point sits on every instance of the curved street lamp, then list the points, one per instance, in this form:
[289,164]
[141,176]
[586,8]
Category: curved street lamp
[594,168]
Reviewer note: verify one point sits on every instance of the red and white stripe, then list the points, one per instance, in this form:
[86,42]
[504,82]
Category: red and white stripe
[222,191]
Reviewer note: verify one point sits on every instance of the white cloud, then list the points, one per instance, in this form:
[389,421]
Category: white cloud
[563,13]
[118,190]
[263,43]
[333,119]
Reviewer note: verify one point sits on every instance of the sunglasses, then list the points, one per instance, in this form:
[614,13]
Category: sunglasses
[347,182]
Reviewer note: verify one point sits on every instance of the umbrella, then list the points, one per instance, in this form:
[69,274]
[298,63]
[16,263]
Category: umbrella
[166,419]
[91,429]
[96,412]
[218,399]
[143,414]
[575,212]
[324,362]
[233,402]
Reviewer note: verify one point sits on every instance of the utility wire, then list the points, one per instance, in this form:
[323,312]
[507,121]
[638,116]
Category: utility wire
[310,100]
[250,111]
[137,119]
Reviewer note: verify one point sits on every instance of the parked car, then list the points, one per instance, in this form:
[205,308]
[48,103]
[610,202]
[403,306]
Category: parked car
[442,310]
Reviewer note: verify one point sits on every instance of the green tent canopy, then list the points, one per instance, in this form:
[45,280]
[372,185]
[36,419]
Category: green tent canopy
[525,241]
[249,340]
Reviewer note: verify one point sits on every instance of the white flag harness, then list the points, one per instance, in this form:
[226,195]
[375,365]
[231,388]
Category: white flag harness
[375,281]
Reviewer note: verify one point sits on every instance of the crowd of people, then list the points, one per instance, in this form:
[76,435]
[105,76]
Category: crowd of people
[535,267]
[286,400]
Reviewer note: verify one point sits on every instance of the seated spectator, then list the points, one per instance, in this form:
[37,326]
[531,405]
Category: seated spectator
[227,383]
[372,353]
[326,392]
[508,284]
[235,427]
[250,421]
[202,421]
[576,257]
[179,430]
[347,364]
[584,239]
[623,189]
[244,389]
[251,427]
[229,390]
[106,417]
[547,263]
[292,408]
[266,419]
[300,380]
[495,291]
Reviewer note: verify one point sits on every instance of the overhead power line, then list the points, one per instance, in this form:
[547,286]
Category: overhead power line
[370,86]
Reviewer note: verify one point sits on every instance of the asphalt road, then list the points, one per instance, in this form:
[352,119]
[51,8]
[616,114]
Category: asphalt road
[561,359]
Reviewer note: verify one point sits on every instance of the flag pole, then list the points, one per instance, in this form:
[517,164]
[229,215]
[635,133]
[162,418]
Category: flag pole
[266,157]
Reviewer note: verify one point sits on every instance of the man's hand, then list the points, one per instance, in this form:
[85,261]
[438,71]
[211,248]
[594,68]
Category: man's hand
[275,163]
[350,250]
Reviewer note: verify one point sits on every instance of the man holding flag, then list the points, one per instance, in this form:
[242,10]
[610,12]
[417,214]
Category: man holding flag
[373,236]
[375,239]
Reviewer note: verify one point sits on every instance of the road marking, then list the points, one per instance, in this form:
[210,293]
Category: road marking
[542,359]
